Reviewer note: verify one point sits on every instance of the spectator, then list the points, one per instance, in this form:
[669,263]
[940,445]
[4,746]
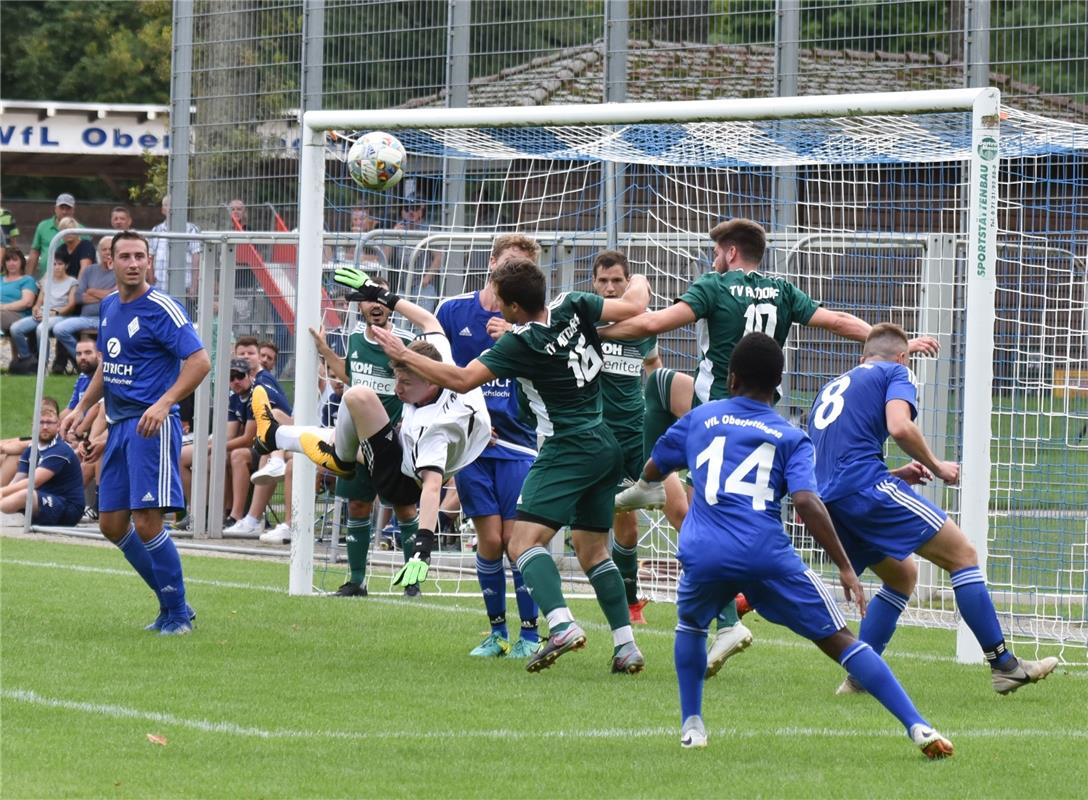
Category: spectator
[160,251]
[120,218]
[95,282]
[78,253]
[413,218]
[57,487]
[47,229]
[61,298]
[267,355]
[9,231]
[86,364]
[17,291]
[239,214]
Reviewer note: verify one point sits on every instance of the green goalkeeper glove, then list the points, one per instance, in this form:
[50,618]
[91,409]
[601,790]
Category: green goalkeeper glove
[363,288]
[415,571]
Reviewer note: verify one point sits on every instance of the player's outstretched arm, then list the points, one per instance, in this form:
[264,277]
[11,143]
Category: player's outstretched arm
[812,511]
[459,379]
[651,323]
[913,443]
[334,362]
[365,289]
[632,303]
[848,326]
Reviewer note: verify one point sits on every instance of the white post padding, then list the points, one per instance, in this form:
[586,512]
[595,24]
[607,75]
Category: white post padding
[979,331]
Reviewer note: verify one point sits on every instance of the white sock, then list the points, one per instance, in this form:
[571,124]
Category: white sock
[622,636]
[557,616]
[346,440]
[250,520]
[287,437]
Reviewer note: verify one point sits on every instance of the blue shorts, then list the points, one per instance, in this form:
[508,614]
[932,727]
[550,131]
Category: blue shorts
[490,486]
[800,601]
[140,473]
[56,510]
[886,520]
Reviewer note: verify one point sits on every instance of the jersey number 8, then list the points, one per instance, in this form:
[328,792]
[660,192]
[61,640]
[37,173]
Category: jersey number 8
[831,403]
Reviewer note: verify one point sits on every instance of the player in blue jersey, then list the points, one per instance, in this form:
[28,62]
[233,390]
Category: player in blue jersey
[57,488]
[880,518]
[489,487]
[151,359]
[743,458]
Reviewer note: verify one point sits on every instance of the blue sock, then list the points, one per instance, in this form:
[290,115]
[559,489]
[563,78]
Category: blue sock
[871,672]
[167,565]
[492,578]
[136,553]
[977,609]
[527,609]
[689,655]
[880,618]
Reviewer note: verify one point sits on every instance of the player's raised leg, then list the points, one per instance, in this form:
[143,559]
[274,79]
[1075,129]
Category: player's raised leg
[952,551]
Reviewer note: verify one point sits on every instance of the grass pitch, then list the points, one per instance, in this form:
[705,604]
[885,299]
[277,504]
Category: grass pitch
[275,696]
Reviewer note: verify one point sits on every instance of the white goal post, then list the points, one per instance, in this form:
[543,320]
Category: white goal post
[982,106]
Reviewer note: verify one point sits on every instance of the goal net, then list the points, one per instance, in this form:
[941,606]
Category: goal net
[939,218]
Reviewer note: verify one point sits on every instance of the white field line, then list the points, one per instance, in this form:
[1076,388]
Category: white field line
[400,602]
[251,732]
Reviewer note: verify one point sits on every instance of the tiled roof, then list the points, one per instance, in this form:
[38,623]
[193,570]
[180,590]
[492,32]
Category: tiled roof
[670,71]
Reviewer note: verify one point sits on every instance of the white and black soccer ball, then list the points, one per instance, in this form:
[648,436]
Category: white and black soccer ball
[376,161]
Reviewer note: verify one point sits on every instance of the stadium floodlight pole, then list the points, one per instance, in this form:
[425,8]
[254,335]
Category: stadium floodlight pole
[978,377]
[982,103]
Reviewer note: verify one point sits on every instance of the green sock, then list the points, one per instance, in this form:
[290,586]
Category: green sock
[728,618]
[358,541]
[627,563]
[407,536]
[608,586]
[543,581]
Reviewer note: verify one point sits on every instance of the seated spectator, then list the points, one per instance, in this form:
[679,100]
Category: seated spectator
[77,252]
[61,298]
[17,291]
[57,486]
[268,354]
[95,282]
[86,364]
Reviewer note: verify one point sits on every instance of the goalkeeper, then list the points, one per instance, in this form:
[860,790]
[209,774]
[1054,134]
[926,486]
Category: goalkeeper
[440,433]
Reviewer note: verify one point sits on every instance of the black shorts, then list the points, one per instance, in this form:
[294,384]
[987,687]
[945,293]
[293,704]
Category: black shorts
[383,455]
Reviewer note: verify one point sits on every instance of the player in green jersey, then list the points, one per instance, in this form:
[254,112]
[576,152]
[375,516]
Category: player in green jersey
[365,364]
[726,303]
[621,384]
[555,353]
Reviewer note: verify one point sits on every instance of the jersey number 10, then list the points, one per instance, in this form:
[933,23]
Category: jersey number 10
[761,460]
[584,362]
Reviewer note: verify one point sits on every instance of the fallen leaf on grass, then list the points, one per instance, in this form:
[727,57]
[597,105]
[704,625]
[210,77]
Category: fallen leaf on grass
[154,738]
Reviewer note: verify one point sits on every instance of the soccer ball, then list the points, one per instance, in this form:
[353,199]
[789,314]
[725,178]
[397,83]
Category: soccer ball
[376,161]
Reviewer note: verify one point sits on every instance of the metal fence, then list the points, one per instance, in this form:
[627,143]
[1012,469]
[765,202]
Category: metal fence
[247,68]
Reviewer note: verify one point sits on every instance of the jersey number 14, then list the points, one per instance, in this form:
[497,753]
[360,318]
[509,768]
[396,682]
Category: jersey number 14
[761,460]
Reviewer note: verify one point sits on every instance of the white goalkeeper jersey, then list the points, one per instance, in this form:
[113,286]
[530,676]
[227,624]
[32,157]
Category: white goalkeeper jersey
[448,434]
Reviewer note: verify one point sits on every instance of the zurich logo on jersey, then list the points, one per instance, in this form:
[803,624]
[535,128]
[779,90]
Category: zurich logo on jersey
[113,347]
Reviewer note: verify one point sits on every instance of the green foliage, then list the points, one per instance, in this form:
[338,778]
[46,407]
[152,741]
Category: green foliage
[154,188]
[90,51]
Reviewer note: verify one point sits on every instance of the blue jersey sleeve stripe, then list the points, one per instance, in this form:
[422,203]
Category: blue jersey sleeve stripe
[171,307]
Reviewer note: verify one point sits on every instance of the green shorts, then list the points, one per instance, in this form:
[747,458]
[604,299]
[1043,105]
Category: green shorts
[573,482]
[358,487]
[658,418]
[634,458]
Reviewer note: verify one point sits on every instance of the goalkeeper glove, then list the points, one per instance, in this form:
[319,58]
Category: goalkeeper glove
[415,571]
[363,288]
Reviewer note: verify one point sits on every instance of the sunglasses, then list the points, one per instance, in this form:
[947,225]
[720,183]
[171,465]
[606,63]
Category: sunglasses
[237,376]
